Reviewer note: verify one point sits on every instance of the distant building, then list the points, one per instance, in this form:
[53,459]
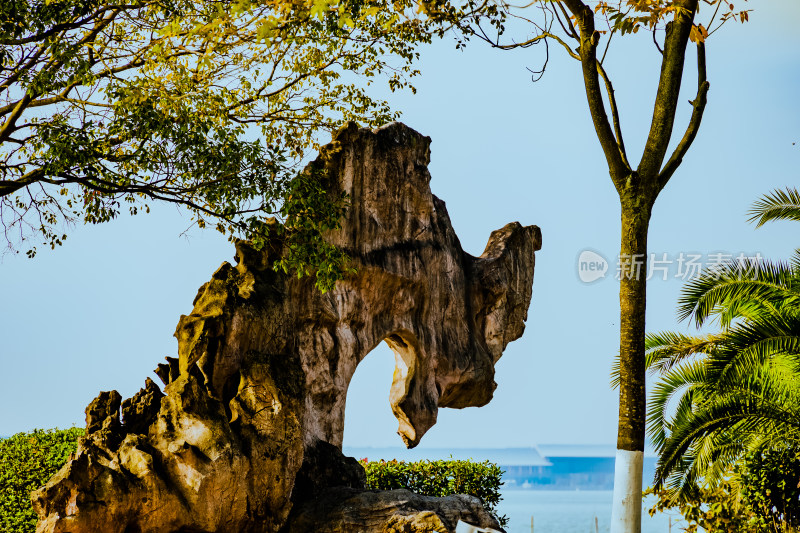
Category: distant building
[500,456]
[544,467]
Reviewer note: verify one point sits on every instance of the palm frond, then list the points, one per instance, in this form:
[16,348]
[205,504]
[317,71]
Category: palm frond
[616,375]
[747,347]
[736,285]
[780,204]
[758,409]
[681,382]
[666,349]
[724,395]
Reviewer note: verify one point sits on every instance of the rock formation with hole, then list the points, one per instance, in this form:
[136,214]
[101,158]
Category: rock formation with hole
[250,421]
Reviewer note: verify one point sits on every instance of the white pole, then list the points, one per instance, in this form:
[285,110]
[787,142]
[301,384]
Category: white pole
[626,511]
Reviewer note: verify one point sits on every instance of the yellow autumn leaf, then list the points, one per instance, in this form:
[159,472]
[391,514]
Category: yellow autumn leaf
[319,8]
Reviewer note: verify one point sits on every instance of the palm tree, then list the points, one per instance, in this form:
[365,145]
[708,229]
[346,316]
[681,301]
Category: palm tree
[724,394]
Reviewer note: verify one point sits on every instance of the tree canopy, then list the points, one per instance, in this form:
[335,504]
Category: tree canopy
[107,106]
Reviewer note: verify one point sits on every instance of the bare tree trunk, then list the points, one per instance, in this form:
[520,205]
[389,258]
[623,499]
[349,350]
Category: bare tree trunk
[626,515]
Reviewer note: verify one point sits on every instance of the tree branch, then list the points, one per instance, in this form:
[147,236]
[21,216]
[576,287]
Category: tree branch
[30,95]
[534,40]
[66,26]
[22,69]
[8,127]
[569,29]
[655,42]
[612,100]
[669,85]
[699,104]
[8,187]
[588,54]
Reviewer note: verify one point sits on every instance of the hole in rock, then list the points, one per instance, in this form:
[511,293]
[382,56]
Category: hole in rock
[368,419]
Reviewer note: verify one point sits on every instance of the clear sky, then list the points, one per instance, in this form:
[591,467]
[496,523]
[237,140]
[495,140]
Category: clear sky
[99,313]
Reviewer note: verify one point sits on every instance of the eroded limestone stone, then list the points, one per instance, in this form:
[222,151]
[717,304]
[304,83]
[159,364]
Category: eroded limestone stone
[345,510]
[251,419]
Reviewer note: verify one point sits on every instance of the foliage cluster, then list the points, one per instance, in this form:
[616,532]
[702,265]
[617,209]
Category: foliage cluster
[760,495]
[309,209]
[725,412]
[108,106]
[769,481]
[440,478]
[27,461]
[715,509]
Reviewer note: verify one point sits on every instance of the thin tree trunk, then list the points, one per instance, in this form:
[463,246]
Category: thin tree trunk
[637,191]
[626,515]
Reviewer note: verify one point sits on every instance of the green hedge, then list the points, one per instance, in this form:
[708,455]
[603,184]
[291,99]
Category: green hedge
[27,461]
[440,478]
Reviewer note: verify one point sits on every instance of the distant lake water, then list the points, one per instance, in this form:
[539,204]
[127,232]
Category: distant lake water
[565,486]
[565,511]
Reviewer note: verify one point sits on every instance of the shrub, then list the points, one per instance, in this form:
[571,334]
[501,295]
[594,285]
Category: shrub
[440,478]
[27,461]
[760,495]
[770,487]
[714,509]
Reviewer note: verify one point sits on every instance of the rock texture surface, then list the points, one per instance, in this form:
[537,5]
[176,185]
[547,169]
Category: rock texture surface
[250,422]
[347,510]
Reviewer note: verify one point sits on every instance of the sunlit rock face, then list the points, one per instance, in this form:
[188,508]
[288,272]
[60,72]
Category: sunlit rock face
[251,418]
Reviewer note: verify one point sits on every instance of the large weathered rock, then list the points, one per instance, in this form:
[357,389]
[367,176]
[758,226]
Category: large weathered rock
[346,510]
[252,415]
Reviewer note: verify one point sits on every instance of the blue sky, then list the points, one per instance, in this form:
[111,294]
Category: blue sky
[99,313]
